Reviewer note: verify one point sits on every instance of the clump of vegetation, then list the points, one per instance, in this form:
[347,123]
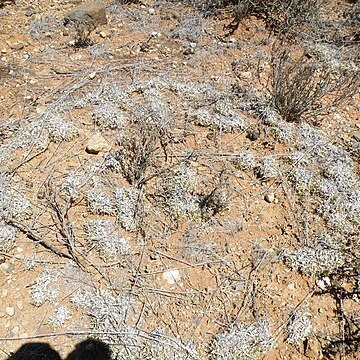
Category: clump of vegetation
[268,168]
[178,192]
[7,237]
[299,328]
[99,202]
[161,346]
[71,187]
[129,207]
[45,288]
[222,118]
[244,161]
[243,341]
[108,116]
[280,15]
[60,315]
[107,311]
[300,86]
[102,234]
[316,260]
[61,130]
[13,204]
[42,26]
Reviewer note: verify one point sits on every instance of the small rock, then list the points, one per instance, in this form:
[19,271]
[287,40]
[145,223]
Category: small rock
[97,144]
[10,311]
[171,276]
[246,75]
[88,12]
[17,45]
[254,135]
[189,51]
[29,12]
[291,286]
[104,34]
[15,330]
[270,197]
[232,40]
[4,293]
[92,75]
[20,305]
[323,283]
[151,11]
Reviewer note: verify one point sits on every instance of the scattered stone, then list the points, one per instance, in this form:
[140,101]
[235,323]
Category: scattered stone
[246,75]
[97,144]
[270,197]
[152,11]
[20,305]
[323,283]
[17,45]
[104,34]
[254,135]
[10,311]
[189,51]
[29,12]
[291,286]
[92,75]
[172,276]
[4,293]
[89,12]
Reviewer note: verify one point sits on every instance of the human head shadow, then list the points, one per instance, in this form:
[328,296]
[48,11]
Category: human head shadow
[35,351]
[89,349]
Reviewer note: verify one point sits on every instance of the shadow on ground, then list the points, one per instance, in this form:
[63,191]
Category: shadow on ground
[89,349]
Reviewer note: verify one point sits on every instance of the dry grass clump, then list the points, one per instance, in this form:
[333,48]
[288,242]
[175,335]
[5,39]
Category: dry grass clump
[108,312]
[161,346]
[7,237]
[244,161]
[305,87]
[178,192]
[61,130]
[72,185]
[316,260]
[13,204]
[129,207]
[268,168]
[59,317]
[99,202]
[280,15]
[189,28]
[107,115]
[243,341]
[299,327]
[222,117]
[45,288]
[103,235]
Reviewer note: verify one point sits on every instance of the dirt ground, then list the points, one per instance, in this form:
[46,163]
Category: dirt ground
[190,231]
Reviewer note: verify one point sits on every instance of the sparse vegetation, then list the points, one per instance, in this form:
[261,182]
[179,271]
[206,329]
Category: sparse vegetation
[179,188]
